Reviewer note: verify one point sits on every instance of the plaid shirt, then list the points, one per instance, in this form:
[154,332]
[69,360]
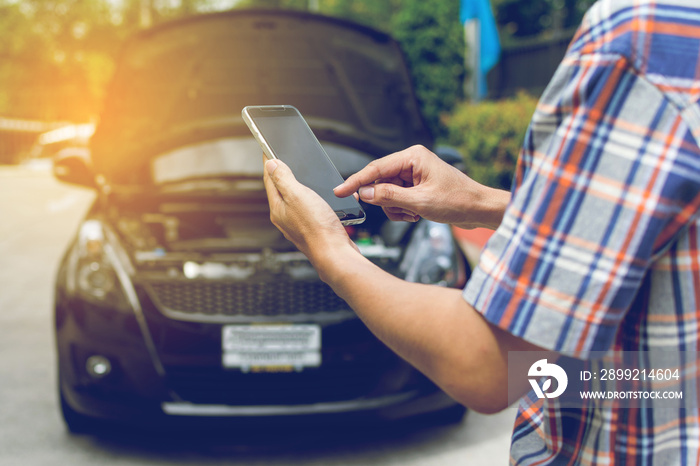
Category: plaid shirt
[598,249]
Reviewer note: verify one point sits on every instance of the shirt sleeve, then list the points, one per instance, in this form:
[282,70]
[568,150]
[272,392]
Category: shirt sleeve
[607,177]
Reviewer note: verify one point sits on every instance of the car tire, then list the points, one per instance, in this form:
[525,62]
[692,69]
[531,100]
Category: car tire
[448,416]
[75,422]
[453,415]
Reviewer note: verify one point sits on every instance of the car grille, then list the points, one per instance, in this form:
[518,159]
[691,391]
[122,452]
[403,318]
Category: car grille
[272,298]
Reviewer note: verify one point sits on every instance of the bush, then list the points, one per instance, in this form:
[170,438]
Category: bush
[489,135]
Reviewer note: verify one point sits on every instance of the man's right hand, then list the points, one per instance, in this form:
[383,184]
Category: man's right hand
[415,183]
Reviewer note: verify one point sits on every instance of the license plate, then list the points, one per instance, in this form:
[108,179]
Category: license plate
[271,346]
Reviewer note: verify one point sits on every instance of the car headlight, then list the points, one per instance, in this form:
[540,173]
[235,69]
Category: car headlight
[92,274]
[431,256]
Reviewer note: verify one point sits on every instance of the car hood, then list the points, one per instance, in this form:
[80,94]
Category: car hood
[187,81]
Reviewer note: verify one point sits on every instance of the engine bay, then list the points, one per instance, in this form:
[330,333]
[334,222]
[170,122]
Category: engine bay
[232,240]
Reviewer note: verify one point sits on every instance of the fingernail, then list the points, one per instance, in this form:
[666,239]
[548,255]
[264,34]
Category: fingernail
[271,166]
[367,192]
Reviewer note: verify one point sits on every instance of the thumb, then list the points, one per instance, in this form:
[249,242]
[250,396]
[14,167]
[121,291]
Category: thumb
[389,195]
[281,176]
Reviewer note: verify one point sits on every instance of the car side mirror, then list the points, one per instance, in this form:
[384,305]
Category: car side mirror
[74,167]
[450,155]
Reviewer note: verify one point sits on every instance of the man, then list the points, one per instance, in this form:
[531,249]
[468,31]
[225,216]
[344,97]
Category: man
[596,249]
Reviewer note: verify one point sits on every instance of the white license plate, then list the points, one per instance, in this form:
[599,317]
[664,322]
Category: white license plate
[271,346]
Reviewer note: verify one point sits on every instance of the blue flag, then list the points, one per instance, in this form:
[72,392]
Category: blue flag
[489,44]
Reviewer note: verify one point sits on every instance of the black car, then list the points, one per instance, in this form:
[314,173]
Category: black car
[178,298]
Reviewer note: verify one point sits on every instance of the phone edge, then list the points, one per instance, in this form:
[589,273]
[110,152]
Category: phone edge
[267,150]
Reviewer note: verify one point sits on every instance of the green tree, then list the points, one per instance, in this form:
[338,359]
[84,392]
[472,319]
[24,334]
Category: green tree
[433,40]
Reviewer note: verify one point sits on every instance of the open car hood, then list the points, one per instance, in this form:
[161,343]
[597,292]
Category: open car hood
[187,81]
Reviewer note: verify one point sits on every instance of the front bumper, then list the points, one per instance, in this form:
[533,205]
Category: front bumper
[146,412]
[135,392]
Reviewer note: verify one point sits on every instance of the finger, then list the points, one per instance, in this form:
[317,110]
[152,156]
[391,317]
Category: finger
[389,195]
[273,195]
[402,217]
[281,177]
[399,210]
[386,167]
[394,217]
[410,218]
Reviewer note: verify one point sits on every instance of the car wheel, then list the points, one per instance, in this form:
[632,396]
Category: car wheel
[448,416]
[75,422]
[453,415]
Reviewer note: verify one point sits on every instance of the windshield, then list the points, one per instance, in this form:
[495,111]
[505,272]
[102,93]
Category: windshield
[236,157]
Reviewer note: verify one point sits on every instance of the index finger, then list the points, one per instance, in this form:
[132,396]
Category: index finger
[390,166]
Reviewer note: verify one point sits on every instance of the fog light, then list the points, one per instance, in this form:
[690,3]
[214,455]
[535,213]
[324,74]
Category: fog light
[98,366]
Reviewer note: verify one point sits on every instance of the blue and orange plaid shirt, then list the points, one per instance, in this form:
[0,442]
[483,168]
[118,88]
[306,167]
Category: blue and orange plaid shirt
[598,249]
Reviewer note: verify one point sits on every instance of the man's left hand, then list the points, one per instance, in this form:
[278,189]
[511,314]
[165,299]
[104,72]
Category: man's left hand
[301,214]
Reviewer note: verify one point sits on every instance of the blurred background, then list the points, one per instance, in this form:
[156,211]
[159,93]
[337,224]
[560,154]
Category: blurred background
[57,57]
[56,61]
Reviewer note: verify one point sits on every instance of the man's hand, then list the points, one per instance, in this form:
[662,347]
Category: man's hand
[415,183]
[302,215]
[431,327]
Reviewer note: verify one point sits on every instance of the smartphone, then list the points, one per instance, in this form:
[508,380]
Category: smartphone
[283,134]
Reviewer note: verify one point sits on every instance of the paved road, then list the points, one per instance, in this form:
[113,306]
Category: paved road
[38,215]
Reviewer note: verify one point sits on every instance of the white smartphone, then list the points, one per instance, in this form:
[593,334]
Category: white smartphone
[283,134]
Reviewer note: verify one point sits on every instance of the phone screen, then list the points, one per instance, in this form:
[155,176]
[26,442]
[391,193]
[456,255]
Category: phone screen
[292,141]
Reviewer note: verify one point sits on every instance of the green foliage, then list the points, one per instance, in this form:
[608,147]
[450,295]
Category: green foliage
[522,18]
[433,40]
[490,134]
